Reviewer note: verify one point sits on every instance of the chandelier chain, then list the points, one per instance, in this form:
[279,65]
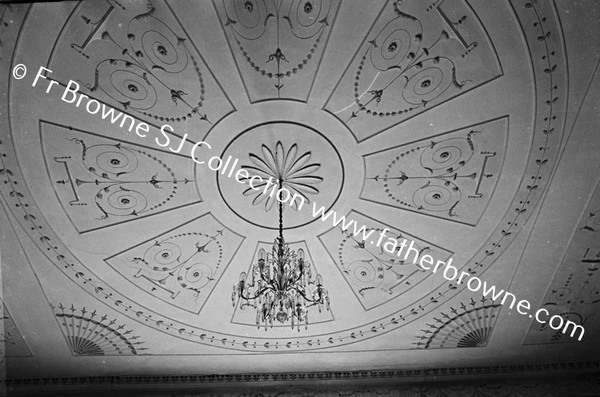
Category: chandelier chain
[280,211]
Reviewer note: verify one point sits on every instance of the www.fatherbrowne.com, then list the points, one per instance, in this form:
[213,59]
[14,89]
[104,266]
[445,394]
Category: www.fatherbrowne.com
[405,249]
[72,95]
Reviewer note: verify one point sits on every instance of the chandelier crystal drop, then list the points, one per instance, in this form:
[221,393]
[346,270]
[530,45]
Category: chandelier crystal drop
[281,285]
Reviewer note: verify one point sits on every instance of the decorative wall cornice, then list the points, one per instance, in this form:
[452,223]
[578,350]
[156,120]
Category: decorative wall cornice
[562,369]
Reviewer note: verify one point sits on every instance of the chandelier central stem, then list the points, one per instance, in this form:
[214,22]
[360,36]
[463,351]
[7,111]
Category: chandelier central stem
[280,247]
[280,185]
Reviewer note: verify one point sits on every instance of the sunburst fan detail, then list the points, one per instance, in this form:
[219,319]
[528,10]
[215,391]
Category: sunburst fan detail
[470,325]
[88,334]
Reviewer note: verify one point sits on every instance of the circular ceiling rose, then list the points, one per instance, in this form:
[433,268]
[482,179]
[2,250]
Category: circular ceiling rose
[302,157]
[437,122]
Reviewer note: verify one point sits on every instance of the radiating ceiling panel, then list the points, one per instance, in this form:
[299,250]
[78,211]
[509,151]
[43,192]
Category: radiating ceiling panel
[181,266]
[277,45]
[416,55]
[138,57]
[102,182]
[377,274]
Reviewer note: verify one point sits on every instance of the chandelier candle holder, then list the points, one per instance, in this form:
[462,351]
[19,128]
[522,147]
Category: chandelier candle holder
[280,286]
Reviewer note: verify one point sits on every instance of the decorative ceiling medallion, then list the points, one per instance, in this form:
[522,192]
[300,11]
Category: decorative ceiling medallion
[296,172]
[309,164]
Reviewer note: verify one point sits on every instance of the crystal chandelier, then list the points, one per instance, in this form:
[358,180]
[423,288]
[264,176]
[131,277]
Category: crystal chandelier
[280,286]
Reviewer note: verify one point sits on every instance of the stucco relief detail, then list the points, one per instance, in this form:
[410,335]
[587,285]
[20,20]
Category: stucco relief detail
[181,266]
[450,176]
[102,182]
[416,55]
[538,22]
[277,45]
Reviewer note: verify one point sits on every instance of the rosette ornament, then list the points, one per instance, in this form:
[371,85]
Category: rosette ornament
[294,172]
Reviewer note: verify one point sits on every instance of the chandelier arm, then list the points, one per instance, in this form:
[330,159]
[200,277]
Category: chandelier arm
[303,272]
[262,276]
[297,278]
[313,301]
[257,294]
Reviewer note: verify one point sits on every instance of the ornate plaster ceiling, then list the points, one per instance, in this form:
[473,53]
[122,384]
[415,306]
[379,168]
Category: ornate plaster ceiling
[448,122]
